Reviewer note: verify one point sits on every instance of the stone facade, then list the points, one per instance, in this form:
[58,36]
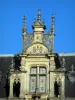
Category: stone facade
[38,71]
[42,73]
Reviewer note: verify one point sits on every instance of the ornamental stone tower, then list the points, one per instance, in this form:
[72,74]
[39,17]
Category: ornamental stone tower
[40,76]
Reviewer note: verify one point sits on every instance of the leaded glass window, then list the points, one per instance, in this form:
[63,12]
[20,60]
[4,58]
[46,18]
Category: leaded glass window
[42,70]
[42,83]
[32,83]
[38,79]
[34,70]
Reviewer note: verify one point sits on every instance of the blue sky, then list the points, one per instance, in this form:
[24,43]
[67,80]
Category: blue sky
[11,15]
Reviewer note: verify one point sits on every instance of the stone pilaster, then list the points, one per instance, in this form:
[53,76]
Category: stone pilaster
[23,85]
[23,64]
[52,68]
[63,86]
[27,82]
[11,87]
[52,63]
[51,84]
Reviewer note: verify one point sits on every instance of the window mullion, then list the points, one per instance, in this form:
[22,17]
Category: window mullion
[37,79]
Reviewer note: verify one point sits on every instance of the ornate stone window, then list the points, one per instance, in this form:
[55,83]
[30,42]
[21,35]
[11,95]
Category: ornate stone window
[38,79]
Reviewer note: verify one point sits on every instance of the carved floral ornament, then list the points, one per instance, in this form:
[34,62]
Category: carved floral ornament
[37,49]
[15,76]
[57,77]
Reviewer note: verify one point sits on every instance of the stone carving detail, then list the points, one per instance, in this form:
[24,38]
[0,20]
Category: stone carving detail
[63,62]
[17,62]
[23,64]
[37,50]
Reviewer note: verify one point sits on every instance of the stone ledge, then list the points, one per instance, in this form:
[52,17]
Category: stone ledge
[40,99]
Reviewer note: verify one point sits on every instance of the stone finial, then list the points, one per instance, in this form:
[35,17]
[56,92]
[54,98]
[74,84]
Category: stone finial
[39,14]
[24,24]
[52,28]
[52,31]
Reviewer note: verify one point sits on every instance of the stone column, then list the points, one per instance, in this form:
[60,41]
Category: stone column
[11,87]
[23,64]
[23,80]
[63,86]
[48,81]
[23,85]
[52,68]
[51,84]
[27,82]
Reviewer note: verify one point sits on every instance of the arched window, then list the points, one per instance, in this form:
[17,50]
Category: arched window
[38,79]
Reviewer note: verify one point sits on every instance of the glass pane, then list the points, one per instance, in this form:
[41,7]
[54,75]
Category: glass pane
[32,83]
[42,70]
[42,83]
[34,70]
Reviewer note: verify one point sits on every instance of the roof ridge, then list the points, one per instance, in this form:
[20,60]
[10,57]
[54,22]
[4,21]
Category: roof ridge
[66,54]
[6,55]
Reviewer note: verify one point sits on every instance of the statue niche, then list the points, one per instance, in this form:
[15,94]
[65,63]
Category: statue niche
[16,88]
[56,89]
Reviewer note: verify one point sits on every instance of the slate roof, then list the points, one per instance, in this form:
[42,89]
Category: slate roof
[6,60]
[69,87]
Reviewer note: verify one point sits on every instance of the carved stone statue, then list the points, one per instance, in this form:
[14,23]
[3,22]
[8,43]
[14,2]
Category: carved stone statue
[17,61]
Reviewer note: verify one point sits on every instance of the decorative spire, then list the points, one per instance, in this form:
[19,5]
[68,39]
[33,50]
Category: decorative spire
[52,29]
[39,14]
[24,24]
